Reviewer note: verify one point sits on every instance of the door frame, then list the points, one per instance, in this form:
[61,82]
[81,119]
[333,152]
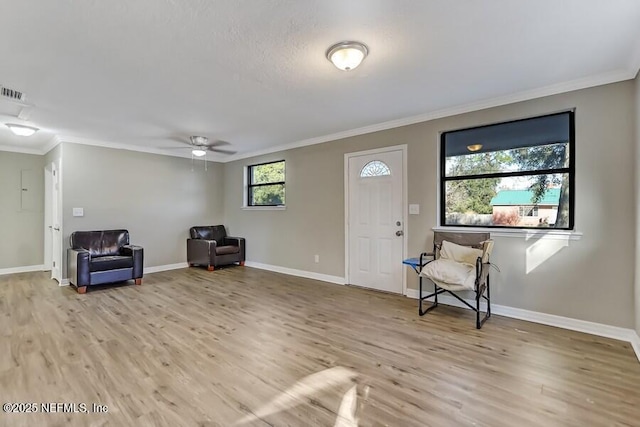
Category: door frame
[56,166]
[405,208]
[48,215]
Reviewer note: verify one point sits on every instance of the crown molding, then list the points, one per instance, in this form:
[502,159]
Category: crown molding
[53,143]
[583,83]
[131,147]
[587,82]
[20,150]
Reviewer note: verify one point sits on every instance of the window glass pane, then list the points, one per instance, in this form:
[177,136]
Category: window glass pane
[266,195]
[271,172]
[526,201]
[540,157]
[532,132]
[375,168]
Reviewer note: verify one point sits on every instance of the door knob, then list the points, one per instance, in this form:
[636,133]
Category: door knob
[56,228]
[399,233]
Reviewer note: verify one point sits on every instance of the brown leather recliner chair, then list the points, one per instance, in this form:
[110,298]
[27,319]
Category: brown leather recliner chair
[211,247]
[105,256]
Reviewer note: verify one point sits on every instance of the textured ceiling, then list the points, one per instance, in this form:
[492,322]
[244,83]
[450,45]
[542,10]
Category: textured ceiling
[148,73]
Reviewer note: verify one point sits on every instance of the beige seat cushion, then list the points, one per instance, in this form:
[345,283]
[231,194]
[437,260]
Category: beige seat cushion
[451,275]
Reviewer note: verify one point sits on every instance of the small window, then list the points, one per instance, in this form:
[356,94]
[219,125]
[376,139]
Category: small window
[516,174]
[528,210]
[266,184]
[375,168]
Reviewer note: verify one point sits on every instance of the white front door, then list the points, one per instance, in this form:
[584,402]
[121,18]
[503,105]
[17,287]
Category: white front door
[376,220]
[56,236]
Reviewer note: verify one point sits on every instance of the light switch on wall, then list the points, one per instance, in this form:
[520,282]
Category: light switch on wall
[414,209]
[78,211]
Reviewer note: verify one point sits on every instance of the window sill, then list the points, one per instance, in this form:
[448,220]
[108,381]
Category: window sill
[263,208]
[519,233]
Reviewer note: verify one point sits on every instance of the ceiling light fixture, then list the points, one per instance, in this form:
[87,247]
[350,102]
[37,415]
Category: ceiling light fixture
[474,147]
[198,152]
[21,130]
[347,55]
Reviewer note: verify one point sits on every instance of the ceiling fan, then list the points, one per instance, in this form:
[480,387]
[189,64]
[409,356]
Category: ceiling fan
[201,144]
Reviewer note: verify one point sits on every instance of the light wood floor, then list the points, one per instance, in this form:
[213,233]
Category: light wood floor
[237,346]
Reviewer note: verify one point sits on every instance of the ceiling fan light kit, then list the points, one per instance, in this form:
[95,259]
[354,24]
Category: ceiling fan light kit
[198,152]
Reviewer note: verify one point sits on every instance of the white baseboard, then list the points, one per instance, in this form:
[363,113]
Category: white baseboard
[167,267]
[299,273]
[635,343]
[24,269]
[64,282]
[599,329]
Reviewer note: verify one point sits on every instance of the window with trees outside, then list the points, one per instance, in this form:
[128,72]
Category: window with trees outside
[517,174]
[266,184]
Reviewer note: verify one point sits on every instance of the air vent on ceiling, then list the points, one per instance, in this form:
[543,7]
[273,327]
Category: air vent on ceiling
[12,94]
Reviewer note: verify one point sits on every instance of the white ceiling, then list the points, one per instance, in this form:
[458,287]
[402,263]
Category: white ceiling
[146,73]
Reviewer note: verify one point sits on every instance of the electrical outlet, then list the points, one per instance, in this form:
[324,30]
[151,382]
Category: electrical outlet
[317,258]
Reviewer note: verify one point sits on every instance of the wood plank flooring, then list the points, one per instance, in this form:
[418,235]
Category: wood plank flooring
[240,346]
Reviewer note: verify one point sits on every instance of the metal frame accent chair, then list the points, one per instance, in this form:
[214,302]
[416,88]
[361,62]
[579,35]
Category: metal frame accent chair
[460,263]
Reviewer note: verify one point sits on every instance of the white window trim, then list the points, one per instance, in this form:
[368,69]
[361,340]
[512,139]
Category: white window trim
[526,233]
[264,208]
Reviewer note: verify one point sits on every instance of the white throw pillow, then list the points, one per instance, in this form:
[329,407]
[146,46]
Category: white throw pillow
[447,271]
[458,253]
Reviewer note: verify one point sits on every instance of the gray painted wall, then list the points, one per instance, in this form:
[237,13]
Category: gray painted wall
[157,198]
[591,279]
[21,226]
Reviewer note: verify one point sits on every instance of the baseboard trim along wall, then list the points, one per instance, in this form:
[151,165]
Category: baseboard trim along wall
[167,267]
[23,269]
[599,329]
[635,343]
[299,273]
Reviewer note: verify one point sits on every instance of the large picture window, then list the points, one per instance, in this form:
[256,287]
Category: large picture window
[517,174]
[266,184]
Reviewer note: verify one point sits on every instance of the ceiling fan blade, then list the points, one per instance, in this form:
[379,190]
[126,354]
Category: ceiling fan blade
[218,150]
[179,139]
[218,142]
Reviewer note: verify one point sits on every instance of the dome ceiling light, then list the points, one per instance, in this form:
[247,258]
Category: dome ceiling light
[21,130]
[347,55]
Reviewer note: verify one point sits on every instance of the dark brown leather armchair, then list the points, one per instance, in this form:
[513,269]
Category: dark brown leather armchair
[98,257]
[211,247]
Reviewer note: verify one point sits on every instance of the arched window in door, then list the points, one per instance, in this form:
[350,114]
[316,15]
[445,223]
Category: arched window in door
[375,168]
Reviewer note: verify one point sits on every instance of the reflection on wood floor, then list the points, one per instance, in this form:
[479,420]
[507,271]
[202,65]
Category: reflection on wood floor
[240,346]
